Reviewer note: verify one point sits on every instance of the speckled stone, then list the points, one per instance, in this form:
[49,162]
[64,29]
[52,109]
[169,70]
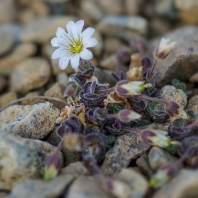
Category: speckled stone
[170,93]
[32,73]
[21,159]
[192,109]
[29,121]
[126,148]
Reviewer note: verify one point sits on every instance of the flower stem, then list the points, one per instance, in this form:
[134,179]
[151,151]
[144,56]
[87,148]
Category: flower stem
[151,71]
[190,126]
[152,99]
[132,130]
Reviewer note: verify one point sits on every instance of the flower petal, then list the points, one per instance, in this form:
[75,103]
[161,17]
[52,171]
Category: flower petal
[87,33]
[69,25]
[55,42]
[58,53]
[91,42]
[61,33]
[86,54]
[63,62]
[75,61]
[79,25]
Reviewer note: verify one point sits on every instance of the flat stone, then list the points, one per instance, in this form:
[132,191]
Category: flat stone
[7,97]
[125,27]
[183,57]
[92,10]
[6,40]
[126,148]
[21,159]
[42,189]
[29,121]
[21,52]
[158,158]
[7,10]
[32,73]
[89,187]
[43,29]
[170,93]
[183,185]
[76,168]
[112,6]
[137,182]
[143,165]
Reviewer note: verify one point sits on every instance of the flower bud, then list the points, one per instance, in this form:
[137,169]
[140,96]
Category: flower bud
[73,141]
[135,60]
[53,164]
[163,175]
[127,115]
[156,138]
[163,49]
[130,88]
[135,74]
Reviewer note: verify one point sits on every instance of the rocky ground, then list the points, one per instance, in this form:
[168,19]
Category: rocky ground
[27,130]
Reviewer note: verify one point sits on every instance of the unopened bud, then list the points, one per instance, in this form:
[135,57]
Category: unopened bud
[135,74]
[135,60]
[127,115]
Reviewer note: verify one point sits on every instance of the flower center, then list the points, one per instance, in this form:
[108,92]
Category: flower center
[76,47]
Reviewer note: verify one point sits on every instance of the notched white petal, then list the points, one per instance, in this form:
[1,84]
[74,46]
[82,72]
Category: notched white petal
[75,61]
[79,25]
[69,25]
[55,42]
[58,53]
[61,33]
[63,62]
[91,42]
[86,54]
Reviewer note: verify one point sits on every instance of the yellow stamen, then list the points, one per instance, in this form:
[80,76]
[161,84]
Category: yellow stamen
[76,47]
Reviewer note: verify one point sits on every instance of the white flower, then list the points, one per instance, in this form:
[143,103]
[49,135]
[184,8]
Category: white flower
[72,45]
[164,49]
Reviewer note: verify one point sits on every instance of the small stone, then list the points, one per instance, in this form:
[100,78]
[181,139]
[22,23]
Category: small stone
[112,45]
[77,169]
[163,7]
[137,182]
[6,40]
[53,138]
[104,76]
[62,79]
[27,16]
[70,156]
[42,189]
[89,187]
[39,7]
[7,10]
[133,7]
[112,6]
[194,78]
[32,101]
[55,91]
[92,10]
[143,165]
[29,121]
[170,93]
[183,185]
[9,62]
[124,27]
[126,148]
[183,57]
[21,159]
[7,97]
[32,73]
[98,49]
[158,158]
[109,62]
[43,29]
[3,83]
[192,109]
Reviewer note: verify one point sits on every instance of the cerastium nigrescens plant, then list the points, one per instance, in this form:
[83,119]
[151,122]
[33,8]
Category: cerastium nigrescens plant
[96,113]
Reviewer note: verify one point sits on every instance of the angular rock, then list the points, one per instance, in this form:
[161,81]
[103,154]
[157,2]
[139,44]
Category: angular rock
[32,73]
[21,159]
[89,187]
[126,148]
[6,40]
[137,182]
[76,169]
[7,97]
[143,165]
[9,62]
[158,157]
[125,27]
[43,29]
[170,93]
[183,57]
[42,189]
[183,185]
[29,121]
